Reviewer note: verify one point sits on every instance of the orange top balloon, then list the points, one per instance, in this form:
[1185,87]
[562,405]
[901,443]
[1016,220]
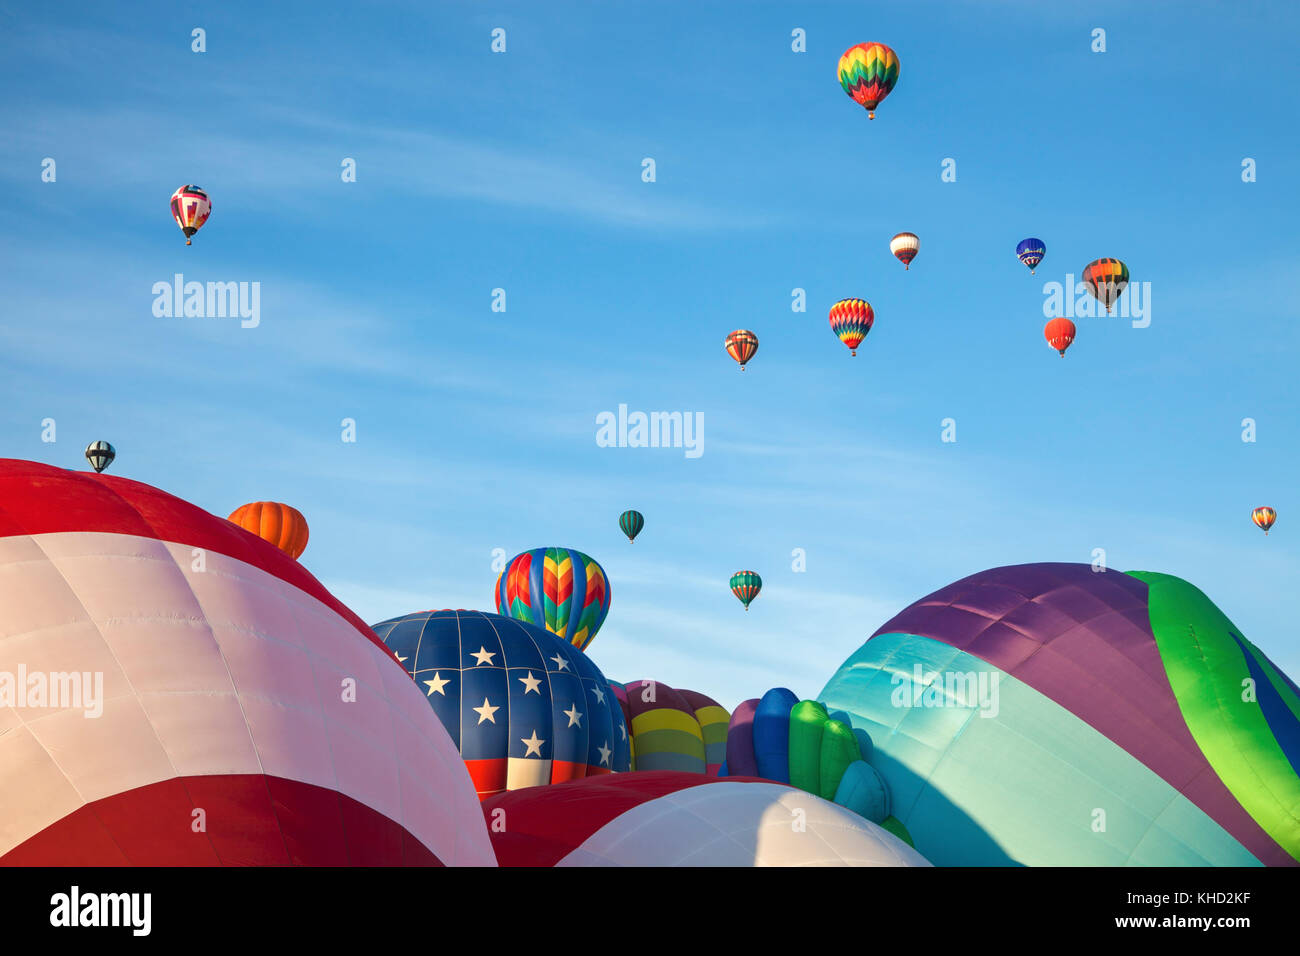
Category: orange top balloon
[283,526]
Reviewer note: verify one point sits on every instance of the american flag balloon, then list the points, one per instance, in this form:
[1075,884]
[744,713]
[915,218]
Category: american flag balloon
[524,707]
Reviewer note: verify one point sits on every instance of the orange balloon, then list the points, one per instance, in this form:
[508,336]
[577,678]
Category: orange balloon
[283,526]
[1059,334]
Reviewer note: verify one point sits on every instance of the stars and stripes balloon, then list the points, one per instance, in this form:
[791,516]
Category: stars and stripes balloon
[1030,252]
[741,346]
[190,208]
[524,707]
[237,686]
[560,589]
[746,585]
[280,524]
[851,320]
[868,72]
[100,454]
[905,246]
[1106,279]
[1263,518]
[1059,334]
[631,523]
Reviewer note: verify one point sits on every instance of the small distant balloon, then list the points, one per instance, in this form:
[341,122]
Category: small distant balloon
[1059,334]
[851,320]
[100,454]
[1263,518]
[741,346]
[1031,252]
[905,246]
[1106,280]
[746,585]
[280,524]
[190,208]
[868,72]
[631,523]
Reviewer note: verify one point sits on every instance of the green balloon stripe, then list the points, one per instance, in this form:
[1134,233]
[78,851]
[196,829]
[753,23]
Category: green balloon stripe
[1207,671]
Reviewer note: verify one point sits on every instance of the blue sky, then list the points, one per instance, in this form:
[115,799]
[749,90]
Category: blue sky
[522,171]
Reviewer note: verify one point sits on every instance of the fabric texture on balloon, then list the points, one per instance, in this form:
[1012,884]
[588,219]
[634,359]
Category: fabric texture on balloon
[220,692]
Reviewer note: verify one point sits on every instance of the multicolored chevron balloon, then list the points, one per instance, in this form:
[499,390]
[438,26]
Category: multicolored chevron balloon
[868,72]
[560,589]
[851,320]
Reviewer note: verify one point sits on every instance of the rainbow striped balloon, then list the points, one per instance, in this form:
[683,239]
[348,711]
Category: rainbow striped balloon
[560,589]
[851,320]
[868,72]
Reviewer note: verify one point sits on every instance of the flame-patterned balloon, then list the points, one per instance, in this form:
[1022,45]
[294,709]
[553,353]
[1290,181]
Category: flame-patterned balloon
[1263,518]
[1031,251]
[741,345]
[905,246]
[1059,334]
[868,72]
[560,589]
[851,320]
[746,585]
[1106,280]
[191,209]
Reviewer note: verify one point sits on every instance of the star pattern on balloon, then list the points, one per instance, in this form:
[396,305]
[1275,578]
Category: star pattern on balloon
[574,715]
[483,656]
[486,712]
[437,684]
[534,745]
[531,684]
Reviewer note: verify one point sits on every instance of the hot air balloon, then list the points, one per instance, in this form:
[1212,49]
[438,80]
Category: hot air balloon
[190,208]
[100,454]
[1263,518]
[741,345]
[525,707]
[215,695]
[1106,280]
[560,589]
[673,729]
[1031,252]
[868,72]
[283,526]
[851,320]
[1059,334]
[905,246]
[665,818]
[746,585]
[1000,699]
[631,523]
